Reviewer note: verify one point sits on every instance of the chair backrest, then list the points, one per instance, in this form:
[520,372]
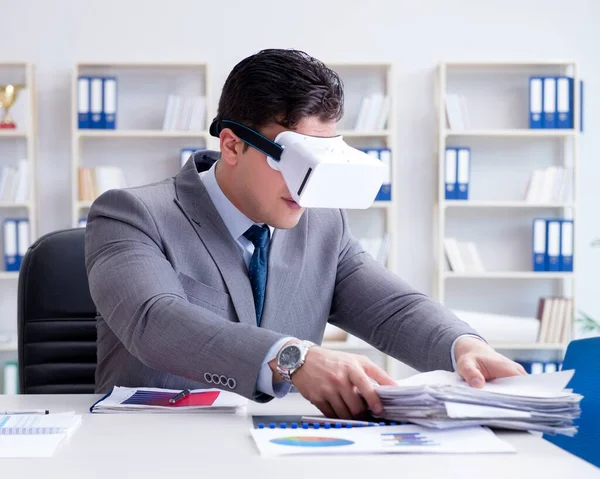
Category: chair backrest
[56,317]
[583,356]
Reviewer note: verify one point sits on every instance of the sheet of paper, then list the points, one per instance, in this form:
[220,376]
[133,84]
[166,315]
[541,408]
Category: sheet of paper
[378,440]
[458,410]
[32,445]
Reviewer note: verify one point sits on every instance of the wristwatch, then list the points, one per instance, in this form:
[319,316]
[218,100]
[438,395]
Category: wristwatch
[291,357]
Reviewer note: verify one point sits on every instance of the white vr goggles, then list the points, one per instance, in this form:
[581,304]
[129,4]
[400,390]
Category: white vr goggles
[320,172]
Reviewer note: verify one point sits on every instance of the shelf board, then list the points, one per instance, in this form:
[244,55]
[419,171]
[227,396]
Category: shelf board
[9,275]
[10,205]
[510,275]
[141,134]
[502,204]
[381,205]
[11,347]
[519,132]
[12,133]
[364,134]
[527,346]
[501,63]
[95,64]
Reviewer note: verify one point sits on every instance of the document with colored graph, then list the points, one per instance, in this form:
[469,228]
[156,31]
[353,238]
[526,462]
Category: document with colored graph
[155,400]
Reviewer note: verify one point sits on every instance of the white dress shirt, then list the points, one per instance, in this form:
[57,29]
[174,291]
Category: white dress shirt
[238,223]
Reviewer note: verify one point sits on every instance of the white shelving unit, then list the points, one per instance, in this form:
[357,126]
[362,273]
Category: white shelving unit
[16,145]
[361,79]
[509,129]
[138,139]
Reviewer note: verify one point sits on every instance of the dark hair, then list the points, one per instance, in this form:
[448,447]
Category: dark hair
[281,86]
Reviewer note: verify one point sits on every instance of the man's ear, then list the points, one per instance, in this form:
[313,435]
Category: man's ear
[231,146]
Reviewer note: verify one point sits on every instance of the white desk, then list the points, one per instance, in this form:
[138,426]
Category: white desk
[215,446]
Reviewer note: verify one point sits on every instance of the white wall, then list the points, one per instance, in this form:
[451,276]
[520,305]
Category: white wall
[413,34]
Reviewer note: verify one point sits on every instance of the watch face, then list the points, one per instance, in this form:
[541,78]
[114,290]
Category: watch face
[290,356]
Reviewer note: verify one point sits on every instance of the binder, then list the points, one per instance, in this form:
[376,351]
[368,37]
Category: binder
[535,102]
[564,102]
[566,245]
[10,380]
[109,102]
[549,105]
[539,244]
[385,192]
[23,240]
[83,102]
[450,173]
[463,173]
[96,107]
[11,262]
[82,223]
[553,245]
[185,154]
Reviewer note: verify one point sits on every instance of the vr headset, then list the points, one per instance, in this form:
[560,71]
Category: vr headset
[320,172]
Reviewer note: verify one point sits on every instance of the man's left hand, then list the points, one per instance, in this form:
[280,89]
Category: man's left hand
[477,362]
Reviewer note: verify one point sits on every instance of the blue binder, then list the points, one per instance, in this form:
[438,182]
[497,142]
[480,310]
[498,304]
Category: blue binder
[450,173]
[553,245]
[564,102]
[11,254]
[549,119]
[385,192]
[96,103]
[536,96]
[539,244]
[463,173]
[566,245]
[83,102]
[109,102]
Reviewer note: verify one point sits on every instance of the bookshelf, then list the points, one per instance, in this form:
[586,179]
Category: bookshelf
[141,145]
[361,81]
[497,216]
[16,145]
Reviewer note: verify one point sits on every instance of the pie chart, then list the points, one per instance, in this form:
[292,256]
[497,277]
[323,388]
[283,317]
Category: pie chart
[311,441]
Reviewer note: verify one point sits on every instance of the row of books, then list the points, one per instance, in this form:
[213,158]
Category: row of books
[185,113]
[377,247]
[456,112]
[550,185]
[462,257]
[553,244]
[551,102]
[97,102]
[95,181]
[17,239]
[373,113]
[10,378]
[556,320]
[457,168]
[14,183]
[384,155]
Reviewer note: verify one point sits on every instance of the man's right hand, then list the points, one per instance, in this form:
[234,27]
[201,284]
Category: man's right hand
[332,380]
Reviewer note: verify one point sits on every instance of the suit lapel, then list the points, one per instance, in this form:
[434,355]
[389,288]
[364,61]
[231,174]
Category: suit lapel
[287,257]
[195,203]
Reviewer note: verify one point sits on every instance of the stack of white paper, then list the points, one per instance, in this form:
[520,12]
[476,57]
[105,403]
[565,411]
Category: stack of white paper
[441,399]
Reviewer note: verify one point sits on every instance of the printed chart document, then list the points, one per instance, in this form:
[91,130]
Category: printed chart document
[155,400]
[24,435]
[443,400]
[378,440]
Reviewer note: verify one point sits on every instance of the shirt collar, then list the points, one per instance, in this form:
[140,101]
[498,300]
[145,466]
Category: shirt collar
[236,222]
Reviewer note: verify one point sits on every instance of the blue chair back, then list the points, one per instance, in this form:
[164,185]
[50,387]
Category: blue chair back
[583,356]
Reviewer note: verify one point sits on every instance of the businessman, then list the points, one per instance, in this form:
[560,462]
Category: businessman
[217,278]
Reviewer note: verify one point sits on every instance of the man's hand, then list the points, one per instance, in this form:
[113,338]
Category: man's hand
[332,380]
[477,362]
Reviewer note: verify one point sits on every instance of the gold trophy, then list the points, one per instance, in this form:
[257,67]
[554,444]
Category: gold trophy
[8,95]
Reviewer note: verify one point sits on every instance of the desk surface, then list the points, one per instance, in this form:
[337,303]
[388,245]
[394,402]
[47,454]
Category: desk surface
[220,446]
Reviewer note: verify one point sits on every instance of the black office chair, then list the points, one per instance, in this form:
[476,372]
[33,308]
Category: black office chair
[56,317]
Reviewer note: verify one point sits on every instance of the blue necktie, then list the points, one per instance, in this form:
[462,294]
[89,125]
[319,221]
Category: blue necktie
[257,270]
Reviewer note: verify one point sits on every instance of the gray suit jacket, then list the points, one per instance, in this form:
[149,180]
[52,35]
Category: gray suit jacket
[175,306]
